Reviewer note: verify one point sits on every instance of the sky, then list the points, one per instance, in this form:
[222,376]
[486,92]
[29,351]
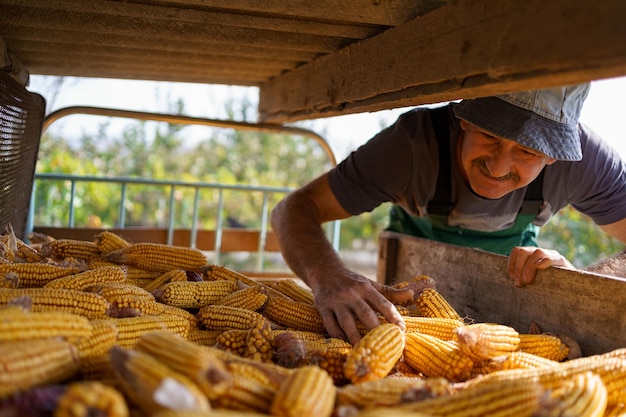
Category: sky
[603,110]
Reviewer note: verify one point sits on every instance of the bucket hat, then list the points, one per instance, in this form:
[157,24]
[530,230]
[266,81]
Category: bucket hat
[545,120]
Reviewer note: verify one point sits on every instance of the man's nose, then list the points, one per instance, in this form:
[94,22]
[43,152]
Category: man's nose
[499,163]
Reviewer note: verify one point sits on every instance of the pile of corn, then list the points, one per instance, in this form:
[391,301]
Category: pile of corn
[113,328]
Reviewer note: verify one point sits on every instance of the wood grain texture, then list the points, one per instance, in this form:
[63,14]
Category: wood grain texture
[585,306]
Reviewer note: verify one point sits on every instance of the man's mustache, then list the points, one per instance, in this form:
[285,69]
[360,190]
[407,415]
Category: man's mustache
[482,167]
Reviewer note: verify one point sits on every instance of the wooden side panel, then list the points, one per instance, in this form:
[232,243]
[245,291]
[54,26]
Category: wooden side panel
[588,307]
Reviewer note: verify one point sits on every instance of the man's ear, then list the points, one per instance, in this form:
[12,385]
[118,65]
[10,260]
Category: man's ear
[550,161]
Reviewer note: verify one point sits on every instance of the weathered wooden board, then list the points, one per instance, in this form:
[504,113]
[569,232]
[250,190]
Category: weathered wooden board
[464,49]
[591,308]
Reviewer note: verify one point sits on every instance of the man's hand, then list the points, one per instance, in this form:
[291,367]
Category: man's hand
[350,297]
[524,261]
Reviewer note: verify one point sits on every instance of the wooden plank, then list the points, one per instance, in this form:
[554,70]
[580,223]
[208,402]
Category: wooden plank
[465,49]
[233,240]
[588,307]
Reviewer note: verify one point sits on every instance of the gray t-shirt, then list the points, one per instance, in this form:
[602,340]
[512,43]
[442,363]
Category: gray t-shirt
[400,165]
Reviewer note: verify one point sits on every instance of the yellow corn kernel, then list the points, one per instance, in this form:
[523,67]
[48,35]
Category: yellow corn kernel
[91,398]
[107,242]
[15,324]
[154,386]
[34,275]
[130,329]
[318,400]
[27,253]
[90,305]
[217,317]
[544,345]
[200,365]
[331,361]
[389,392]
[173,275]
[441,328]
[250,298]
[294,315]
[265,373]
[9,280]
[248,395]
[584,395]
[295,291]
[70,248]
[31,363]
[217,272]
[487,340]
[89,278]
[436,358]
[204,337]
[159,257]
[517,360]
[430,303]
[485,398]
[612,370]
[189,294]
[103,337]
[234,341]
[375,355]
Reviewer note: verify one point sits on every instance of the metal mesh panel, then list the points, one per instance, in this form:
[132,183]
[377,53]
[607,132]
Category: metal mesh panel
[21,118]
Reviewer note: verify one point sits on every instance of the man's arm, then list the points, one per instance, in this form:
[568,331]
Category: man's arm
[341,296]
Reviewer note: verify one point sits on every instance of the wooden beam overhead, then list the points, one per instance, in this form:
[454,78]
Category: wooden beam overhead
[465,49]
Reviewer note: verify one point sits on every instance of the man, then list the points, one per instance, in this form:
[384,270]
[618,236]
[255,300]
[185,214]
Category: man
[482,173]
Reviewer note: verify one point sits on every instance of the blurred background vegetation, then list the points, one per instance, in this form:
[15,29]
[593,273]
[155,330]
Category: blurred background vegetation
[161,151]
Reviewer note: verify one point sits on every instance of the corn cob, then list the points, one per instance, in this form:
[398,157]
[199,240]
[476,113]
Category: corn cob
[318,401]
[545,345]
[436,358]
[250,298]
[186,294]
[204,337]
[102,337]
[217,317]
[70,248]
[431,303]
[213,413]
[173,275]
[15,324]
[294,315]
[246,394]
[130,329]
[192,320]
[115,291]
[375,355]
[217,272]
[331,361]
[517,360]
[9,280]
[30,363]
[295,291]
[200,365]
[107,242]
[265,373]
[92,398]
[27,253]
[128,300]
[487,340]
[582,396]
[97,368]
[158,257]
[89,278]
[259,344]
[486,398]
[388,392]
[300,334]
[152,385]
[617,410]
[90,305]
[33,275]
[441,328]
[611,370]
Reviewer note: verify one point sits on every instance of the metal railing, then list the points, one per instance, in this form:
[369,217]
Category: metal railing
[333,227]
